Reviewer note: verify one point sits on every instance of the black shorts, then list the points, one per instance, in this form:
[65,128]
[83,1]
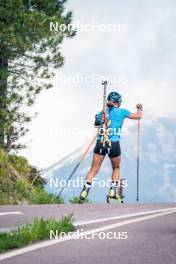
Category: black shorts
[115,150]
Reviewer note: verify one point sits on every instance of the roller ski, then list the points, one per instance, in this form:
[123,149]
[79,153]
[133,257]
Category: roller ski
[84,194]
[116,193]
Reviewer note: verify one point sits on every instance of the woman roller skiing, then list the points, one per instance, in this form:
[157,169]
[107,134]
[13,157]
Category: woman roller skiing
[109,143]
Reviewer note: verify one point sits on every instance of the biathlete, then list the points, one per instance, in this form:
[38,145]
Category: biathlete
[115,123]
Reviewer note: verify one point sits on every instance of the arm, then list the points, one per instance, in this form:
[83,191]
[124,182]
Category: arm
[137,115]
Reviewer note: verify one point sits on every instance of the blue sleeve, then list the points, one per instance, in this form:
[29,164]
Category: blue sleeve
[126,113]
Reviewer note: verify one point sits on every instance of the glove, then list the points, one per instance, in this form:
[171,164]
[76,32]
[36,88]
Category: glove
[139,107]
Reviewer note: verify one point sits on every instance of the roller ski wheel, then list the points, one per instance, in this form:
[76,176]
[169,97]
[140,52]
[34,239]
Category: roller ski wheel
[81,201]
[121,199]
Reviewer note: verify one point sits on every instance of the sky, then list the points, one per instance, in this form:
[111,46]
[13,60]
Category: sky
[140,57]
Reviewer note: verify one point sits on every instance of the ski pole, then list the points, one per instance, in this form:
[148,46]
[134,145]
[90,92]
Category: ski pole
[78,164]
[138,159]
[105,114]
[104,96]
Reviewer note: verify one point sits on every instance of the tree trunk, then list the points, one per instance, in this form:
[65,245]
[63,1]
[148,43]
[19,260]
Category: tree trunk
[3,94]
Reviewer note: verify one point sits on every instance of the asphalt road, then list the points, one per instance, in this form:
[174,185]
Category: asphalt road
[140,233]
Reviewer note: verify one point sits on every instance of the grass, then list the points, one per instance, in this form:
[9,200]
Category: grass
[38,230]
[16,177]
[40,196]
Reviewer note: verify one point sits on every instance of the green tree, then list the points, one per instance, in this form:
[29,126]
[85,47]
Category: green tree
[29,55]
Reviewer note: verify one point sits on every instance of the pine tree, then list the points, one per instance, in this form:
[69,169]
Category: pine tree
[29,55]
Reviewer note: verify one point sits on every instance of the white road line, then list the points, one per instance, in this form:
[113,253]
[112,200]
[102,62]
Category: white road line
[10,213]
[122,216]
[97,230]
[7,229]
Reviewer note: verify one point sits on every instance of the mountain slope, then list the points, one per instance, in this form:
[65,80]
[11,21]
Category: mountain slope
[157,165]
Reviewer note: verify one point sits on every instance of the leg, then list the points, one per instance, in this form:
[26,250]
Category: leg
[96,164]
[115,162]
[116,189]
[113,191]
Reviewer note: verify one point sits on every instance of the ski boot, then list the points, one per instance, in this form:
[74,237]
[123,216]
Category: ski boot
[115,193]
[84,193]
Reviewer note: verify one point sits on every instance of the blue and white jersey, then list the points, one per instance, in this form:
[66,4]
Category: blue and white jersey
[116,118]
